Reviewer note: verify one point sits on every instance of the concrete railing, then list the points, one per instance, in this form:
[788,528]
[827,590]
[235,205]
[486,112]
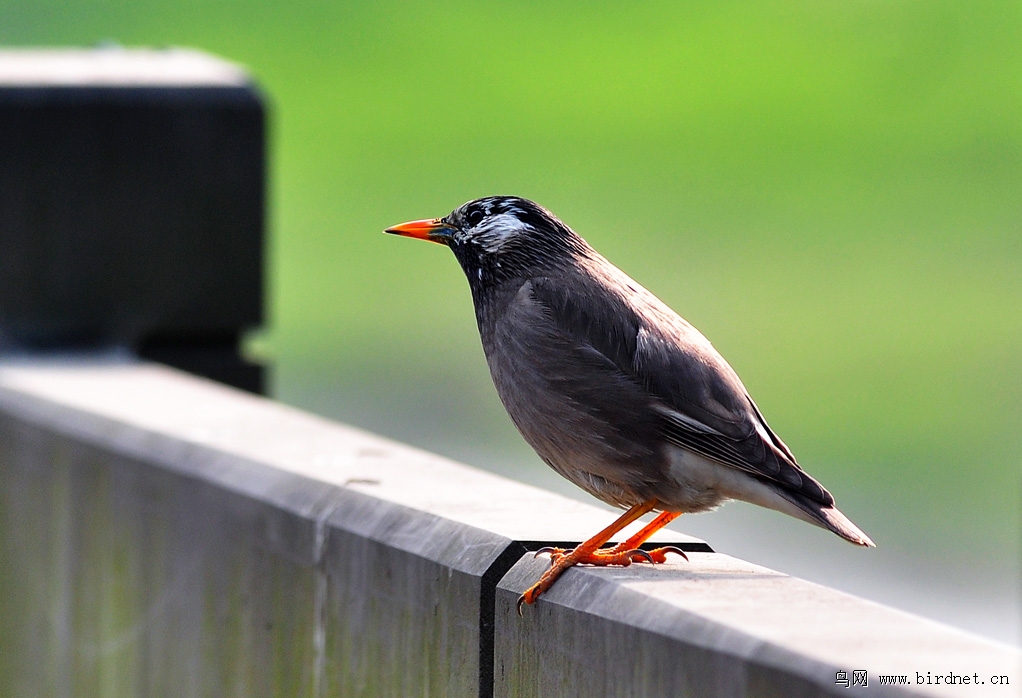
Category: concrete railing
[161,535]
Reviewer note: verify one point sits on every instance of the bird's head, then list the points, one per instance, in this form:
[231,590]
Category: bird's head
[498,234]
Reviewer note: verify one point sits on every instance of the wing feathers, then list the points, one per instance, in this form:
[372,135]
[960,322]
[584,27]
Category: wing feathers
[697,397]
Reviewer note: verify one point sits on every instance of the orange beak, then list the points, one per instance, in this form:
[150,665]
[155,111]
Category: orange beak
[431,229]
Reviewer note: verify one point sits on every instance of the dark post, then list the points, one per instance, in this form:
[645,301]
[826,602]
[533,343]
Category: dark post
[132,206]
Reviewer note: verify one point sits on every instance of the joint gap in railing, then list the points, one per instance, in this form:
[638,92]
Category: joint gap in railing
[488,596]
[487,613]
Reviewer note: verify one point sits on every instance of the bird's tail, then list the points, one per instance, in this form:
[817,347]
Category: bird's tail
[828,517]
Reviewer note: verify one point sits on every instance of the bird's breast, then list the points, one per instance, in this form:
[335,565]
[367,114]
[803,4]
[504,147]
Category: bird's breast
[580,413]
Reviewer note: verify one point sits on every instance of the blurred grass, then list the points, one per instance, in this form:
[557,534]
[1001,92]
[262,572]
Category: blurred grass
[830,191]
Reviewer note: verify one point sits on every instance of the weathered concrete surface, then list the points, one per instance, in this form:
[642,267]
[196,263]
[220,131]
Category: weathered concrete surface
[403,602]
[118,578]
[149,411]
[162,535]
[717,626]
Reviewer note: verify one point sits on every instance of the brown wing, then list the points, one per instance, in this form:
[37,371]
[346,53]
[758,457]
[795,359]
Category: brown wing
[693,395]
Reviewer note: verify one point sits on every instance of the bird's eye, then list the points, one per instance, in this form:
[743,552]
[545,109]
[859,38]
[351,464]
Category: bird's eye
[474,218]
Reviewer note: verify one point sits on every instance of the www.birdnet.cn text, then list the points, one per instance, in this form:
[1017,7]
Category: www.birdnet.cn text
[861,678]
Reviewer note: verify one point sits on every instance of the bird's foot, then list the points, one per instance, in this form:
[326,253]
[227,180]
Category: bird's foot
[616,555]
[561,559]
[561,562]
[659,555]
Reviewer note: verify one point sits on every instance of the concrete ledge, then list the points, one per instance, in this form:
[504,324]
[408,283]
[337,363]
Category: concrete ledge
[163,535]
[718,626]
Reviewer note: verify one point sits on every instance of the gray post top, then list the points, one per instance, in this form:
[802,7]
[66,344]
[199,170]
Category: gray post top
[114,66]
[132,212]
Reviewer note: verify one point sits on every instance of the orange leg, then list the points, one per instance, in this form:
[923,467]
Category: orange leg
[589,552]
[657,554]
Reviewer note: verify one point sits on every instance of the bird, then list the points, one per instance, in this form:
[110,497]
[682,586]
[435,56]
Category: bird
[612,388]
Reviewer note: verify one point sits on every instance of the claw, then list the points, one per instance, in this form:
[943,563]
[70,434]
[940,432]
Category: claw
[547,549]
[674,549]
[638,552]
[660,554]
[533,592]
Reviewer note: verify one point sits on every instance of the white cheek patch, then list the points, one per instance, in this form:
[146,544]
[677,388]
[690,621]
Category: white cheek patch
[497,231]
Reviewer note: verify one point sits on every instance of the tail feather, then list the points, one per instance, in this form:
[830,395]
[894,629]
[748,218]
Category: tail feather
[828,517]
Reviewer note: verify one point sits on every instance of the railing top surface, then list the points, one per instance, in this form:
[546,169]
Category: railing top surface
[126,401]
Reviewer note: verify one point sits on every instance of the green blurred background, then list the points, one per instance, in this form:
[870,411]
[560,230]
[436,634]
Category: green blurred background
[831,191]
